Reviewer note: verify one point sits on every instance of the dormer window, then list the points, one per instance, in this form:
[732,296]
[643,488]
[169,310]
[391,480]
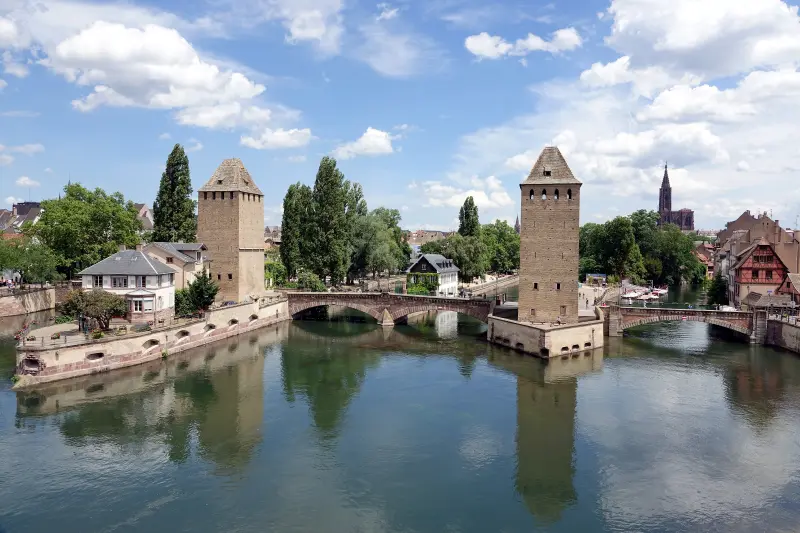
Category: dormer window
[547,172]
[219,182]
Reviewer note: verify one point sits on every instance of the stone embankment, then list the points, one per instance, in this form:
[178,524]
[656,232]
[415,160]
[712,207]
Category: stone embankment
[492,286]
[784,334]
[52,362]
[24,302]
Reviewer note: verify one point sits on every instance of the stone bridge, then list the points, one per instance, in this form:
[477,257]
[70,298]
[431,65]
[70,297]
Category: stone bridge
[388,308]
[619,319]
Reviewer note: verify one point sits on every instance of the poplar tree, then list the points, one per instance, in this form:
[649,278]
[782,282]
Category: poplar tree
[294,249]
[173,210]
[468,223]
[330,233]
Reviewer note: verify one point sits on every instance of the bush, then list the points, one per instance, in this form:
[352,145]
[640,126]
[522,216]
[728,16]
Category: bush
[308,281]
[419,290]
[183,303]
[64,319]
[97,334]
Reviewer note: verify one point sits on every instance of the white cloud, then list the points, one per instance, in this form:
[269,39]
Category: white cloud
[742,166]
[372,142]
[3,84]
[6,160]
[19,114]
[195,146]
[398,54]
[26,149]
[12,67]
[488,193]
[270,139]
[296,159]
[10,200]
[25,181]
[48,170]
[486,46]
[164,137]
[387,12]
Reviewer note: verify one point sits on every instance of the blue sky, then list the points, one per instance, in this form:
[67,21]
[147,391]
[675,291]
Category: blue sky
[423,103]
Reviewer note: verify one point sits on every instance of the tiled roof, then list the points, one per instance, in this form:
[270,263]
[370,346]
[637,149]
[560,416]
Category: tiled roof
[551,168]
[439,262]
[756,299]
[127,263]
[178,249]
[231,176]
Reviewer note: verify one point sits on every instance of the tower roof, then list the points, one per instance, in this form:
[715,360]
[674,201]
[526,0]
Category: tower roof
[231,176]
[551,168]
[665,181]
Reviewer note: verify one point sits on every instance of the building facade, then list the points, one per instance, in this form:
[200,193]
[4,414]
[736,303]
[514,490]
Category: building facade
[445,270]
[187,259]
[230,222]
[548,285]
[683,218]
[147,285]
[758,269]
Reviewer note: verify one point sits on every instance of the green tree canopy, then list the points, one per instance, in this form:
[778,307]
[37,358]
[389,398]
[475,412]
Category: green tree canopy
[295,228]
[97,304]
[468,253]
[502,246]
[469,224]
[83,227]
[173,210]
[202,291]
[718,291]
[329,223]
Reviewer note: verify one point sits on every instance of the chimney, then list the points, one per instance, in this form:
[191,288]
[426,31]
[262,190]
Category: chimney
[121,247]
[14,209]
[778,230]
[139,247]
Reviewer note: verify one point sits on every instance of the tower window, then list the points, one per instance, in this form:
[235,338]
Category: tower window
[555,194]
[219,182]
[544,194]
[547,171]
[230,276]
[205,196]
[213,196]
[558,286]
[231,195]
[569,194]
[533,312]
[219,277]
[532,195]
[563,310]
[536,286]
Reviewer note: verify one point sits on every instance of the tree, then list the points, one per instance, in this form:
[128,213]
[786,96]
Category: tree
[173,210]
[468,222]
[97,304]
[275,273]
[295,236]
[502,246]
[645,228]
[83,227]
[183,303]
[718,291]
[617,244]
[329,223]
[36,262]
[468,254]
[308,281]
[202,291]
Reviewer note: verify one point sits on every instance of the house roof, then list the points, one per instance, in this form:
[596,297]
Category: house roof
[139,206]
[231,176]
[146,224]
[756,299]
[440,263]
[127,263]
[551,168]
[794,280]
[179,249]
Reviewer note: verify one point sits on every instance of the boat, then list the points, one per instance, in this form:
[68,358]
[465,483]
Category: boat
[660,292]
[632,295]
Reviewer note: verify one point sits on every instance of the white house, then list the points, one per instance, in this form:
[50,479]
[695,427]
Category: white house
[187,259]
[147,285]
[445,269]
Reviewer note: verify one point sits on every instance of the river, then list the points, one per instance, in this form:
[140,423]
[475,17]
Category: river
[346,427]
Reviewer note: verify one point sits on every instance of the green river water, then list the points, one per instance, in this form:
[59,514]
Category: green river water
[345,427]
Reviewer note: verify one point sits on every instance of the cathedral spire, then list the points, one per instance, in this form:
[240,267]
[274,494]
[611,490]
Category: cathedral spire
[516,225]
[665,181]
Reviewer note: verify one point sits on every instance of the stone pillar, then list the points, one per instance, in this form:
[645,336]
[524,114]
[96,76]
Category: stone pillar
[612,326]
[759,335]
[386,319]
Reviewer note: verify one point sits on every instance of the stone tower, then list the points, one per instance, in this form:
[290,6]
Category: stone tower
[665,199]
[548,274]
[230,222]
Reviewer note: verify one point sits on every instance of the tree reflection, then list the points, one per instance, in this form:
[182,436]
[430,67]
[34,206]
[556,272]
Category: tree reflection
[755,386]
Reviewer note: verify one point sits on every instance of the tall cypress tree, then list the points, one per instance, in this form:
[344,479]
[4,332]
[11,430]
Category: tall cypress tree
[173,210]
[294,248]
[468,223]
[330,231]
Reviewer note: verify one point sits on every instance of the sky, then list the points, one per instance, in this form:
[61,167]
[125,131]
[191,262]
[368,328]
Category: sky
[422,102]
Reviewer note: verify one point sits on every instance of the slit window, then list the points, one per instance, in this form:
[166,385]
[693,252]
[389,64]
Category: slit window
[555,194]
[569,194]
[563,310]
[558,286]
[533,312]
[536,286]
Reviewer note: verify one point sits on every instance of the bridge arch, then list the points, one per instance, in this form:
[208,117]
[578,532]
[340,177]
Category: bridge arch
[296,308]
[400,312]
[737,326]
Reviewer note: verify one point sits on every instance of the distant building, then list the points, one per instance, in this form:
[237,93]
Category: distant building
[145,216]
[187,259]
[683,218]
[791,287]
[446,270]
[230,222]
[272,237]
[705,254]
[758,269]
[516,225]
[147,285]
[11,221]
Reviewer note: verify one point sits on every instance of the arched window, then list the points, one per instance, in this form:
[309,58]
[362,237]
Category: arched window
[555,194]
[532,195]
[544,194]
[569,194]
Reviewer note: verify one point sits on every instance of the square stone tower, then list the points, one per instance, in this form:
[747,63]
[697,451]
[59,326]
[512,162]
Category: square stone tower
[230,222]
[548,274]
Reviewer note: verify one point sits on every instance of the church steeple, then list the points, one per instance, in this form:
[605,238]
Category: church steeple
[516,225]
[665,198]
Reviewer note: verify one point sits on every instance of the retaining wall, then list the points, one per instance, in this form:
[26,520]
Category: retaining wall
[27,302]
[545,340]
[36,365]
[783,335]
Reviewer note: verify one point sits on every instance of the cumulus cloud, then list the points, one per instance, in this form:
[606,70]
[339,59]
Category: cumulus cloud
[194,146]
[25,181]
[397,54]
[486,46]
[488,193]
[372,142]
[270,139]
[11,200]
[387,12]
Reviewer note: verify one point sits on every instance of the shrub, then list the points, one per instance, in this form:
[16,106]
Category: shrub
[310,282]
[419,290]
[64,319]
[97,334]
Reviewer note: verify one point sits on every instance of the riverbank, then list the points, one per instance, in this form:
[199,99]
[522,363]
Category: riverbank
[25,302]
[52,361]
